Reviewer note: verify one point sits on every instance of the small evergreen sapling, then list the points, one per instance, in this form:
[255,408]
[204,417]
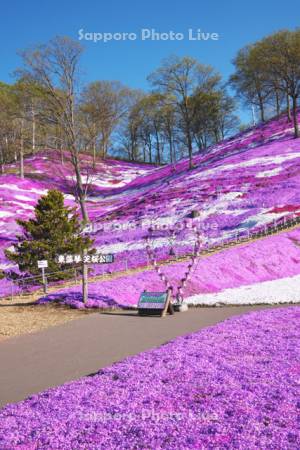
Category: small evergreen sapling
[54,230]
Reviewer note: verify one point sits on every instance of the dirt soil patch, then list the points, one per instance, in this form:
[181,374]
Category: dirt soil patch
[22,318]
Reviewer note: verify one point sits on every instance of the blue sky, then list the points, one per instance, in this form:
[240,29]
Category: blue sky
[237,23]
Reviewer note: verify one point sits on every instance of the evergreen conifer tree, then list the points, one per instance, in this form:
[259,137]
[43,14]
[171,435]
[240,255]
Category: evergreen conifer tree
[55,230]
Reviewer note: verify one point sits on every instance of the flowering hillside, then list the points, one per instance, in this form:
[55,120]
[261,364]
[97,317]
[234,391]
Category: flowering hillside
[242,184]
[44,171]
[264,271]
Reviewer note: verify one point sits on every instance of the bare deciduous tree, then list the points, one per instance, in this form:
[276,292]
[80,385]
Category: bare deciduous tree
[54,68]
[179,78]
[102,106]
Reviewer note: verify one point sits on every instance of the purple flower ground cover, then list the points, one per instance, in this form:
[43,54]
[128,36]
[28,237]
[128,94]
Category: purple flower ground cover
[234,385]
[268,259]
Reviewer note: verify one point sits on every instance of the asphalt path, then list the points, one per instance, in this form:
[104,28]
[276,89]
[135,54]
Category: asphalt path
[34,362]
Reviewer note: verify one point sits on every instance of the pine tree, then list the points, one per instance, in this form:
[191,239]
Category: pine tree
[54,230]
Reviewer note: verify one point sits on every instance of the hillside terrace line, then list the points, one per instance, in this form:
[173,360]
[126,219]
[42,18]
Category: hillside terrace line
[287,225]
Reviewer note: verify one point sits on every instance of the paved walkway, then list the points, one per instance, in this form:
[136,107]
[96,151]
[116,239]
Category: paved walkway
[34,362]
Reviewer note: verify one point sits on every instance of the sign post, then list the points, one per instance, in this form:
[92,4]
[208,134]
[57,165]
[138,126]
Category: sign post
[43,264]
[155,303]
[85,271]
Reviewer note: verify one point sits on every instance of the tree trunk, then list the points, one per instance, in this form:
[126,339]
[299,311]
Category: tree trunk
[157,147]
[295,118]
[216,133]
[2,161]
[79,188]
[81,197]
[222,131]
[171,148]
[190,148]
[94,154]
[61,154]
[288,108]
[33,130]
[174,152]
[85,292]
[277,103]
[6,144]
[106,144]
[21,151]
[262,109]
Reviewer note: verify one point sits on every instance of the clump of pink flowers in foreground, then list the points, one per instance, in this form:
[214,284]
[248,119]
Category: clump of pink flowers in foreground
[231,386]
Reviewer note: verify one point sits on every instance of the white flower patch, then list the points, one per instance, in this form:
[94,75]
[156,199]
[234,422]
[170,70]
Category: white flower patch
[23,198]
[283,290]
[105,181]
[163,221]
[69,197]
[263,217]
[14,187]
[141,245]
[220,204]
[6,266]
[22,205]
[269,173]
[117,247]
[234,212]
[281,133]
[6,214]
[261,161]
[264,160]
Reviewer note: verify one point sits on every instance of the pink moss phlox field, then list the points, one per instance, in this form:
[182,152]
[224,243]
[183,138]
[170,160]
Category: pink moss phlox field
[234,385]
[241,184]
[271,258]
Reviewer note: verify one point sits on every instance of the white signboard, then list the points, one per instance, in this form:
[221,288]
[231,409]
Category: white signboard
[87,259]
[43,264]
